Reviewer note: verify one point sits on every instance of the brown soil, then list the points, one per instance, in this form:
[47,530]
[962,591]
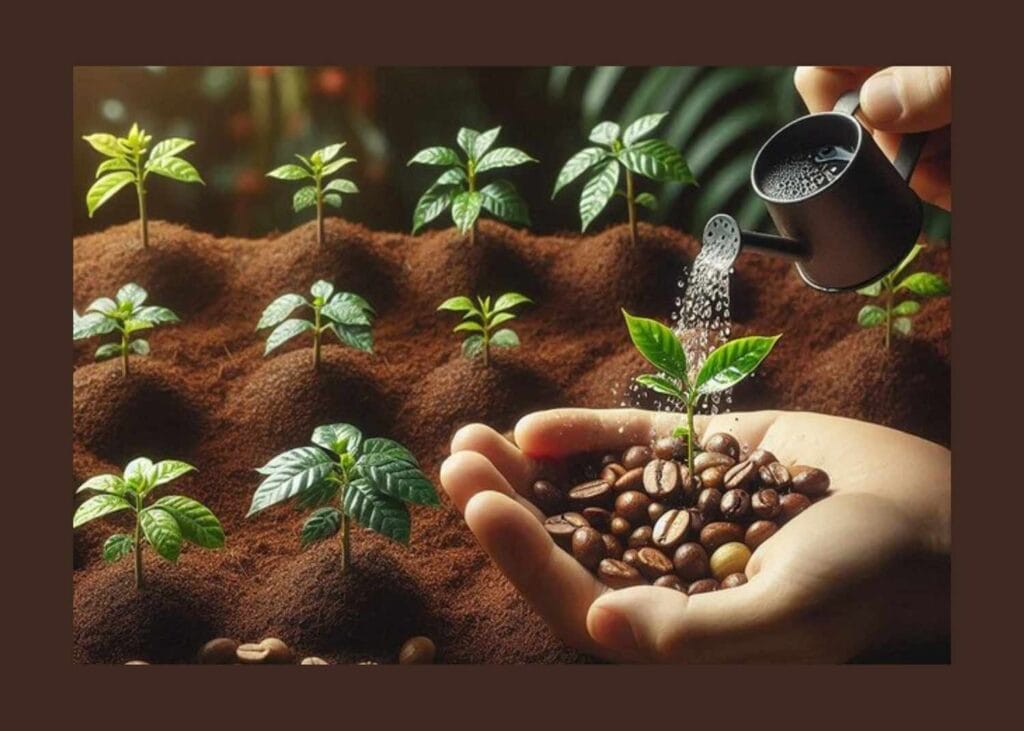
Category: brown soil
[207,395]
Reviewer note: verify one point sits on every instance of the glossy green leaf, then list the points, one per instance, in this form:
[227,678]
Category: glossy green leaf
[133,326]
[104,305]
[196,522]
[341,185]
[137,473]
[906,308]
[902,325]
[598,191]
[167,470]
[475,327]
[304,198]
[658,344]
[436,156]
[285,484]
[870,316]
[279,310]
[289,172]
[355,299]
[359,337]
[104,143]
[132,293]
[333,167]
[458,304]
[155,315]
[376,511]
[162,531]
[339,438]
[112,484]
[467,140]
[330,152]
[174,168]
[729,364]
[397,478]
[647,201]
[503,157]
[505,338]
[322,523]
[91,325]
[605,133]
[473,346]
[466,209]
[503,201]
[925,284]
[295,460]
[114,165]
[577,165]
[389,447]
[285,332]
[345,312]
[500,317]
[107,351]
[657,160]
[431,205]
[105,188]
[170,146]
[139,346]
[641,127]
[872,290]
[117,547]
[483,143]
[97,506]
[661,384]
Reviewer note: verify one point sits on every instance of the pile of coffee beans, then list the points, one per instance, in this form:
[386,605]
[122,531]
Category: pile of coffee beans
[642,518]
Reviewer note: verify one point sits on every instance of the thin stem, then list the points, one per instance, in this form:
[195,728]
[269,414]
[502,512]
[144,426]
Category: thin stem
[888,317]
[316,337]
[346,549]
[471,182]
[138,545]
[124,353]
[689,435]
[631,206]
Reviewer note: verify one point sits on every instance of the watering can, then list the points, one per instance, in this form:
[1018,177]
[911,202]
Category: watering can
[846,214]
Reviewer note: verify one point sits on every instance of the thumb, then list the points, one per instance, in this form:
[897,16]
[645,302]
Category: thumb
[908,98]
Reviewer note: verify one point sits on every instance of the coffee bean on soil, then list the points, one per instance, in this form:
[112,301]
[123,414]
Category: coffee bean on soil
[593,494]
[661,479]
[792,504]
[766,504]
[588,547]
[219,651]
[719,533]
[655,511]
[632,505]
[670,448]
[547,497]
[629,557]
[252,653]
[670,581]
[761,458]
[417,651]
[636,456]
[730,558]
[671,529]
[776,476]
[691,561]
[630,480]
[278,652]
[758,532]
[561,527]
[810,481]
[312,660]
[598,518]
[611,473]
[641,537]
[735,505]
[742,476]
[705,460]
[618,574]
[612,546]
[723,444]
[708,503]
[734,580]
[136,662]
[620,527]
[702,587]
[652,563]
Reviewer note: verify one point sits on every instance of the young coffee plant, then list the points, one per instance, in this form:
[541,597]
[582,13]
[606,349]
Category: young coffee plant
[458,185]
[724,367]
[163,523]
[128,163]
[481,319]
[346,477]
[615,149]
[347,315]
[126,316]
[318,167]
[898,317]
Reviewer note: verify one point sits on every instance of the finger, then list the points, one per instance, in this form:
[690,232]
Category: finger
[908,98]
[466,474]
[552,581]
[821,86]
[510,461]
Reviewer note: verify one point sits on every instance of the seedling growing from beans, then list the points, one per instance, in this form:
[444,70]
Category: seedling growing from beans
[347,315]
[724,367]
[126,316]
[163,523]
[130,161]
[480,321]
[458,186]
[618,154]
[346,477]
[317,168]
[898,317]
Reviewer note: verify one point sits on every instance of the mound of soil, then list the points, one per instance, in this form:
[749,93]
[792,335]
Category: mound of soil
[207,395]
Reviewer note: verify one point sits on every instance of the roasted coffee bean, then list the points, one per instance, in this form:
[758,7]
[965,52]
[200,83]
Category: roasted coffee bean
[766,503]
[671,529]
[636,456]
[547,497]
[708,503]
[620,527]
[735,505]
[792,504]
[630,480]
[758,532]
[611,473]
[136,662]
[661,479]
[691,561]
[618,574]
[596,493]
[632,505]
[588,547]
[312,660]
[670,448]
[696,521]
[714,477]
[655,511]
[729,558]
[719,533]
[219,651]
[776,476]
[810,481]
[723,444]
[704,460]
[670,581]
[561,527]
[734,580]
[652,563]
[598,518]
[277,651]
[641,537]
[742,476]
[761,458]
[702,587]
[612,546]
[689,486]
[417,651]
[252,653]
[629,557]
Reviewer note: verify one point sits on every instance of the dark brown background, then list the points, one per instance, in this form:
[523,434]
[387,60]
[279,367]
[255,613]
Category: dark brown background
[38,388]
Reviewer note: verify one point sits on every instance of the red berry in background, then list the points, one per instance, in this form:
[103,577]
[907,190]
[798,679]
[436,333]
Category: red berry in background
[332,81]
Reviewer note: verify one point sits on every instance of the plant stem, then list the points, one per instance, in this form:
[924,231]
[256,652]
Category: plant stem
[319,220]
[631,206]
[345,547]
[689,435]
[124,353]
[888,317]
[472,234]
[316,338]
[138,545]
[471,185]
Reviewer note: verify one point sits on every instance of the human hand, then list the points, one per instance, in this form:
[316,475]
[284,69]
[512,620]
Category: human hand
[893,101]
[865,565]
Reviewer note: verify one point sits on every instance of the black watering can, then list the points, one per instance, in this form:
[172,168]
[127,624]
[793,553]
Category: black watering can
[846,214]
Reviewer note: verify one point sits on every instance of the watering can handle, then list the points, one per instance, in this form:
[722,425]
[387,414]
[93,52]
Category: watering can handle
[910,146]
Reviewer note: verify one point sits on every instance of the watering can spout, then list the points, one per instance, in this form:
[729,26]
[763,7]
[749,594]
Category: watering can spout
[723,240]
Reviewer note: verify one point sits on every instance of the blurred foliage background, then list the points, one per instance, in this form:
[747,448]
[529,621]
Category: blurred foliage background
[247,120]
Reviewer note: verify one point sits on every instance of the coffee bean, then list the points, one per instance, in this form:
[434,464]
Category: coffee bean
[661,479]
[636,456]
[630,480]
[708,503]
[704,460]
[734,580]
[561,527]
[611,473]
[612,546]
[729,558]
[691,561]
[776,476]
[652,563]
[742,476]
[641,537]
[252,653]
[670,448]
[702,587]
[671,529]
[596,493]
[632,505]
[618,574]
[313,661]
[655,511]
[620,527]
[670,581]
[761,458]
[136,662]
[735,505]
[696,521]
[598,518]
[723,444]
[630,557]
[417,651]
[714,477]
[758,532]
[547,497]
[689,485]
[219,651]
[792,504]
[588,547]
[719,533]
[277,651]
[810,481]
[766,503]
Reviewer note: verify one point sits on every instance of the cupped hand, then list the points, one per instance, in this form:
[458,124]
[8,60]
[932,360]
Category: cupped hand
[866,565]
[893,101]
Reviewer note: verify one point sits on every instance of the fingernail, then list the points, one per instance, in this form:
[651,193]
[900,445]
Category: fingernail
[880,99]
[614,631]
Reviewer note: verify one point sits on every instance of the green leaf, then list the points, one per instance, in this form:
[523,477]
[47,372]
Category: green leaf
[279,310]
[377,511]
[902,325]
[117,547]
[870,316]
[174,168]
[502,200]
[500,317]
[111,484]
[911,255]
[196,522]
[288,482]
[137,472]
[345,312]
[605,133]
[381,445]
[133,326]
[167,470]
[115,165]
[155,315]
[105,188]
[304,198]
[467,141]
[431,205]
[355,299]
[359,337]
[321,524]
[505,338]
[436,156]
[907,308]
[170,146]
[162,531]
[483,143]
[647,201]
[503,157]
[104,143]
[339,438]
[108,350]
[131,293]
[289,172]
[729,364]
[657,160]
[335,166]
[659,345]
[466,209]
[598,191]
[475,327]
[458,304]
[139,346]
[397,478]
[681,432]
[641,127]
[661,384]
[295,460]
[322,289]
[341,185]
[285,332]
[577,165]
[925,284]
[330,152]
[872,290]
[91,325]
[97,506]
[473,346]
[104,304]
